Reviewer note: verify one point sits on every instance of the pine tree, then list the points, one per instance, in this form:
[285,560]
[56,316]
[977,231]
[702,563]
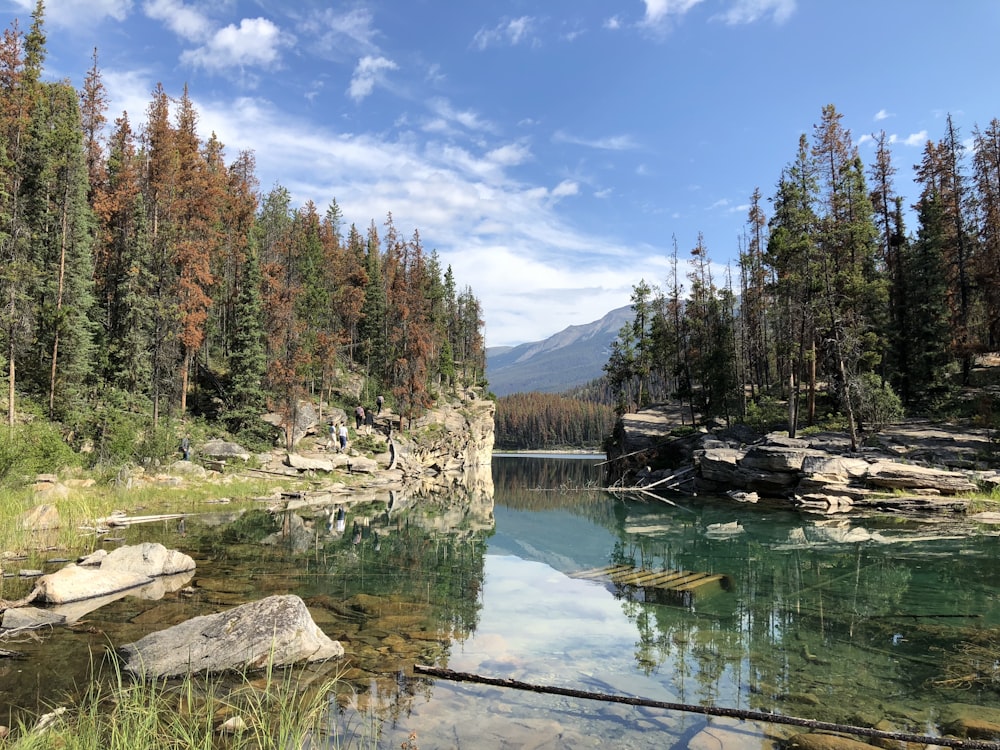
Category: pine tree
[930,363]
[248,358]
[56,206]
[791,258]
[372,325]
[20,92]
[986,167]
[123,280]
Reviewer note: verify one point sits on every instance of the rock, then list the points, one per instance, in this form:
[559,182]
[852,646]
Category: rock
[30,618]
[823,741]
[43,517]
[276,631]
[834,468]
[825,503]
[94,558]
[307,463]
[362,465]
[731,735]
[150,559]
[720,464]
[910,476]
[224,449]
[970,720]
[74,583]
[772,457]
[124,568]
[770,483]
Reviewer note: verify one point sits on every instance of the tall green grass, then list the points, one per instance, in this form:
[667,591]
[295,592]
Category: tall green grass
[277,710]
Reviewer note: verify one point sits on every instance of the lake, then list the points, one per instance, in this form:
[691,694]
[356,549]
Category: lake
[542,577]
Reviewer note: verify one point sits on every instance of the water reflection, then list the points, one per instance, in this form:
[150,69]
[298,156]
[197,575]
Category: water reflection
[856,620]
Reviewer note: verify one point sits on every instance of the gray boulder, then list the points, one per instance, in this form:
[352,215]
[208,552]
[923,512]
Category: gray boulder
[910,476]
[308,463]
[224,450]
[277,631]
[120,570]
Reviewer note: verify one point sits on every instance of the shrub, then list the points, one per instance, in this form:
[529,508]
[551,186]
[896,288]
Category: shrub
[31,449]
[877,403]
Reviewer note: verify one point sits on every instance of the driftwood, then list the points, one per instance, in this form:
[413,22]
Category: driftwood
[23,601]
[736,713]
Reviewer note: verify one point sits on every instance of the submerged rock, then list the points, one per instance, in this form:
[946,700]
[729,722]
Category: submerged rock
[277,631]
[123,569]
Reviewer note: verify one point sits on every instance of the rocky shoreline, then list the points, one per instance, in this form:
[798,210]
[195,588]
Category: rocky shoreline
[910,467]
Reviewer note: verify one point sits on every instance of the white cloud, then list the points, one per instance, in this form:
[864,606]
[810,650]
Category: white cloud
[614,23]
[256,42]
[510,155]
[566,188]
[914,139]
[341,35]
[610,143]
[513,32]
[751,11]
[882,115]
[369,71]
[75,13]
[658,10]
[466,118]
[185,21]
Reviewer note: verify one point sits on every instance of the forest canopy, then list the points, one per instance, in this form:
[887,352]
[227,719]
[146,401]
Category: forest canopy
[138,258]
[833,297]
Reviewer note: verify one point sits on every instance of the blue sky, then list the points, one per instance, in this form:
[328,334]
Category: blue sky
[551,150]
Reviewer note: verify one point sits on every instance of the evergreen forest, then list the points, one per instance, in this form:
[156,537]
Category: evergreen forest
[835,311]
[145,279]
[526,421]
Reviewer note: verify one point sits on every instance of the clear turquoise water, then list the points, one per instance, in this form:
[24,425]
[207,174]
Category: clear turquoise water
[853,620]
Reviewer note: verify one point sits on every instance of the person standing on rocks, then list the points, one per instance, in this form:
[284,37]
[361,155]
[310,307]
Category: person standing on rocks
[369,422]
[379,402]
[342,434]
[359,417]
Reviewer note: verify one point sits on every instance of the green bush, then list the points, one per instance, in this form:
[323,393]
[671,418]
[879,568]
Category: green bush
[877,403]
[766,414]
[31,449]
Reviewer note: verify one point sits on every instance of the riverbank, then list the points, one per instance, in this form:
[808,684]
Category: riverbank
[913,466]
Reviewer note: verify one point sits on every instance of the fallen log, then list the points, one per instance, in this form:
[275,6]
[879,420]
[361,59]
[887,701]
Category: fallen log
[735,713]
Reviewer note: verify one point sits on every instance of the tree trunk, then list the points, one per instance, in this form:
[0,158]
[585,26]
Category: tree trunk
[185,369]
[59,300]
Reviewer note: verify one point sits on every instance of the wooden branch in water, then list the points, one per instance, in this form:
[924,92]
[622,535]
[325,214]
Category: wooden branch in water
[735,713]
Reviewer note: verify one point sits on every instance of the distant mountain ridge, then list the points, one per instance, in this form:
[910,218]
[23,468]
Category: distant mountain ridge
[574,356]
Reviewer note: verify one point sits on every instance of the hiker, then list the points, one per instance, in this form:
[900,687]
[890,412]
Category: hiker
[369,421]
[186,448]
[343,437]
[359,417]
[378,405]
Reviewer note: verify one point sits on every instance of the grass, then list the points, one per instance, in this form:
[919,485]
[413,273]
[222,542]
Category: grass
[83,505]
[274,710]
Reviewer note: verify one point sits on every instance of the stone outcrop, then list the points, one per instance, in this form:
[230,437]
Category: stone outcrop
[818,472]
[275,631]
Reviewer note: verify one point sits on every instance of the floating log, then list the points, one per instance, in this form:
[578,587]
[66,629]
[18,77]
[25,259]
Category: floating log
[736,713]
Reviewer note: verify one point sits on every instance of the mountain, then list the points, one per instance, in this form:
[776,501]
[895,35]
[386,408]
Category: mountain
[574,356]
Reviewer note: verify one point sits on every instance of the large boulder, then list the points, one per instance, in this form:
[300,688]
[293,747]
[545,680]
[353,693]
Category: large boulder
[910,476]
[223,450]
[276,631]
[43,517]
[75,582]
[772,457]
[120,570]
